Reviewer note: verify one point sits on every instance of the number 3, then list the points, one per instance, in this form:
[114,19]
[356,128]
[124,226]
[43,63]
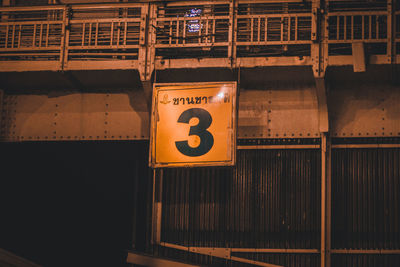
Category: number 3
[206,138]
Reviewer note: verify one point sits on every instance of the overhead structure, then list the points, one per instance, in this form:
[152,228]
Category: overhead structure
[312,177]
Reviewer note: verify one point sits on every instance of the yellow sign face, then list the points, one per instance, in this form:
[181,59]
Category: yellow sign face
[193,125]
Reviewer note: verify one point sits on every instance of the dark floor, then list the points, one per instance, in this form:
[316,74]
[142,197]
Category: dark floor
[68,204]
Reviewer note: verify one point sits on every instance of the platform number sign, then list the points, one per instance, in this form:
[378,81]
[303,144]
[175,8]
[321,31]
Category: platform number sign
[193,124]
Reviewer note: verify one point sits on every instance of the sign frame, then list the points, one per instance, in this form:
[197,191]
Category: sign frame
[232,130]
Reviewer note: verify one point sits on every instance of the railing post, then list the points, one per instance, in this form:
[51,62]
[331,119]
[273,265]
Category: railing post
[142,41]
[319,36]
[391,32]
[232,35]
[147,40]
[65,38]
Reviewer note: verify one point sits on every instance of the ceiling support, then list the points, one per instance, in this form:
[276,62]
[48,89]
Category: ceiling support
[358,56]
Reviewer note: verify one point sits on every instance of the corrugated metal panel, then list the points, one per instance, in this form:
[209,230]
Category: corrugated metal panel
[366,260]
[270,200]
[366,199]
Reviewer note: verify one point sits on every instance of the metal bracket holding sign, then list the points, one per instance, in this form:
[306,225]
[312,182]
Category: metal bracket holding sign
[193,124]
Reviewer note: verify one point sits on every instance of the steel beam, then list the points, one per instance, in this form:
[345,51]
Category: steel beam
[218,252]
[151,261]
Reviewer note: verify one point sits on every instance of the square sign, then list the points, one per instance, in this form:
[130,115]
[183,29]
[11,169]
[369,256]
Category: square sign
[193,124]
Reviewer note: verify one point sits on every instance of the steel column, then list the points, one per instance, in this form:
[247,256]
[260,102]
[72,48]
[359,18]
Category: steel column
[65,38]
[319,36]
[232,35]
[391,31]
[2,116]
[157,206]
[325,200]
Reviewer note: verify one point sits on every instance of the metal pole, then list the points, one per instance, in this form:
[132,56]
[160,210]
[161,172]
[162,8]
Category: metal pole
[2,134]
[325,200]
[157,207]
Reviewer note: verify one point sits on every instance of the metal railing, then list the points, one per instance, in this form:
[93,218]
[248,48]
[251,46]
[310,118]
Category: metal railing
[104,31]
[173,32]
[366,26]
[124,31]
[274,29]
[67,33]
[28,32]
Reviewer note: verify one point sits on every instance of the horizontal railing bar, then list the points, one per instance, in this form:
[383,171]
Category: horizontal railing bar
[291,15]
[107,6]
[77,21]
[278,147]
[102,54]
[33,22]
[196,3]
[72,47]
[73,6]
[30,48]
[31,8]
[191,45]
[365,40]
[269,1]
[29,54]
[273,42]
[218,2]
[357,13]
[365,251]
[192,18]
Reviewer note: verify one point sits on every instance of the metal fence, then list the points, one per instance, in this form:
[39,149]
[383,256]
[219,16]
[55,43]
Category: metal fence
[184,30]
